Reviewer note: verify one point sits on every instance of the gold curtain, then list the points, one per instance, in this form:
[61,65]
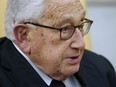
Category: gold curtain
[2,32]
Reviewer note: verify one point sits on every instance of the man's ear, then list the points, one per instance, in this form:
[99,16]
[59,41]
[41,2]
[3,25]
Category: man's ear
[21,33]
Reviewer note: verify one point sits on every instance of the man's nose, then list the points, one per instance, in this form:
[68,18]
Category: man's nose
[77,40]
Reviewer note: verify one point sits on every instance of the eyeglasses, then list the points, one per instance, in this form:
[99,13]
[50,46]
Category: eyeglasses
[68,31]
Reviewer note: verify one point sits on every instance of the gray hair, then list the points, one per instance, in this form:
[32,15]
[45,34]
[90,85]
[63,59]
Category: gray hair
[20,11]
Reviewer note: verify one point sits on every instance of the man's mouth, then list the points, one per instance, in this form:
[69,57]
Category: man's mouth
[73,60]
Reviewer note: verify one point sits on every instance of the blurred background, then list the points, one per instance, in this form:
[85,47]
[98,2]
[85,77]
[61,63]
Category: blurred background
[103,31]
[101,38]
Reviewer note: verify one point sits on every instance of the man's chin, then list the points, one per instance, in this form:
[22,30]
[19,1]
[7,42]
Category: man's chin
[70,72]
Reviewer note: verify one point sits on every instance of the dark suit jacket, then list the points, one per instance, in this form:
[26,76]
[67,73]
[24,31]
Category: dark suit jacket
[15,71]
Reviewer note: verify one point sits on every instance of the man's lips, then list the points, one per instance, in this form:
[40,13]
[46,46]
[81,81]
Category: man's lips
[73,60]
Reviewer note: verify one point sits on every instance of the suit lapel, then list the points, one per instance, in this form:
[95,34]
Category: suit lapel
[18,70]
[25,76]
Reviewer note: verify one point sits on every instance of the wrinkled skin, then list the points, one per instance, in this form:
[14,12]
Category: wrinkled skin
[44,46]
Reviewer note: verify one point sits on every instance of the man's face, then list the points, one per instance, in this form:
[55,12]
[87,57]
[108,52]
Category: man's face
[58,58]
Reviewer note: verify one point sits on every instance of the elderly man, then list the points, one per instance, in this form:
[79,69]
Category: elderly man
[45,47]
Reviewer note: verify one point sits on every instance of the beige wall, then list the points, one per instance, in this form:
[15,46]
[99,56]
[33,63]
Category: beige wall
[86,37]
[2,11]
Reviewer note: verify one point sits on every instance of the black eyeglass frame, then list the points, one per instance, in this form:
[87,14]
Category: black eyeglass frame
[60,29]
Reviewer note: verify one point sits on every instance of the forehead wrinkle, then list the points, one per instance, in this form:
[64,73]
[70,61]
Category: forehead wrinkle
[66,10]
[71,18]
[54,10]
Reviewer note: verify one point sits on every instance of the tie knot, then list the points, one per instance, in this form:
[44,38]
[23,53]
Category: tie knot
[56,83]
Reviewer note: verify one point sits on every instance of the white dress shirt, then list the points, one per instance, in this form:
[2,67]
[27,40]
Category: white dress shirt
[69,82]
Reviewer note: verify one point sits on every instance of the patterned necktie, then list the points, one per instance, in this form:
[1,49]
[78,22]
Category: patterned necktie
[56,83]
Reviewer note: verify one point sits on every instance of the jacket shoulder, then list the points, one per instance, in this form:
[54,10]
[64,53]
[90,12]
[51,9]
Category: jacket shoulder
[96,60]
[2,40]
[97,67]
